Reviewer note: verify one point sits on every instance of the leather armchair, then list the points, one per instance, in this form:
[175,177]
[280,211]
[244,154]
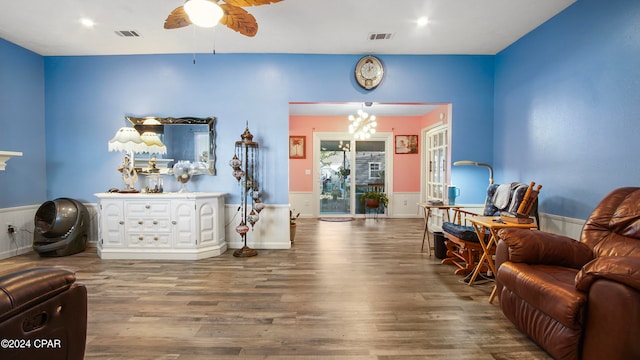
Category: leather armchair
[577,299]
[43,315]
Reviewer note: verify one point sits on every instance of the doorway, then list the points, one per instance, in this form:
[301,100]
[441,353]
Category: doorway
[403,172]
[347,168]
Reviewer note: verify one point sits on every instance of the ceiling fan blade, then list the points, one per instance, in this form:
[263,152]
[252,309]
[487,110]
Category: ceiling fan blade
[250,2]
[239,20]
[177,19]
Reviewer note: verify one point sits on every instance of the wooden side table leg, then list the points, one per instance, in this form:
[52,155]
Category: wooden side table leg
[493,294]
[425,235]
[480,231]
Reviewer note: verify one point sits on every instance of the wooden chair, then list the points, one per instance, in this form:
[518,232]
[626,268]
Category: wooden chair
[463,247]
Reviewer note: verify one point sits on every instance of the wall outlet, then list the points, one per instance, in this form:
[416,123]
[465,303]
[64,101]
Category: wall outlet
[11,229]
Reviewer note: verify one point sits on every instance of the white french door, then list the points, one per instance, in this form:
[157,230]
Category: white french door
[436,162]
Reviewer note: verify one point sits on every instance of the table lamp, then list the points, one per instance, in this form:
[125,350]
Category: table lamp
[128,139]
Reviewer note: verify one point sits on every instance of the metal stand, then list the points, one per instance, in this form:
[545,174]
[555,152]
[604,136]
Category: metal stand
[244,170]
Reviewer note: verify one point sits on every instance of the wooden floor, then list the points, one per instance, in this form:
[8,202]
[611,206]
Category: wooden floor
[346,290]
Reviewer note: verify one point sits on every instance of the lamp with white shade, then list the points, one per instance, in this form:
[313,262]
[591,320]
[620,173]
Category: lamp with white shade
[128,140]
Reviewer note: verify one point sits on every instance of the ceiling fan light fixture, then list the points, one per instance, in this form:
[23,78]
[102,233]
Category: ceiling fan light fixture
[203,13]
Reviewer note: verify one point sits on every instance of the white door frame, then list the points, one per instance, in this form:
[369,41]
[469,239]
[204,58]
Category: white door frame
[319,136]
[424,170]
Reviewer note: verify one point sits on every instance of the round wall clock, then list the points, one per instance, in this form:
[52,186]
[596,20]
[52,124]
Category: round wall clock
[369,72]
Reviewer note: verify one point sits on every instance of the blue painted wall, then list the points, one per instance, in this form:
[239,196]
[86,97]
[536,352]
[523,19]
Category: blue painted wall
[565,99]
[22,126]
[88,97]
[567,109]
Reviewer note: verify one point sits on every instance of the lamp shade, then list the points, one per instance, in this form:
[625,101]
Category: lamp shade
[153,143]
[475,163]
[203,13]
[127,139]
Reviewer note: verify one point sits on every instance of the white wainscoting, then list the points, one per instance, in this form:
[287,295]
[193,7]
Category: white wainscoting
[271,232]
[439,216]
[21,242]
[401,205]
[404,205]
[302,203]
[561,225]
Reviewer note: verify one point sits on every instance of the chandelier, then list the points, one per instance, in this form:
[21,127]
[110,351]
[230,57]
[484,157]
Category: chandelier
[362,126]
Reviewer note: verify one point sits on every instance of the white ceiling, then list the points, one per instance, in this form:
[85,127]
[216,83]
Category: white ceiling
[52,27]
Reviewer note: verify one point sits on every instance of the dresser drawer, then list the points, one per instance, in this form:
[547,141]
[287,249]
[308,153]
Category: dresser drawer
[152,225]
[160,240]
[136,209]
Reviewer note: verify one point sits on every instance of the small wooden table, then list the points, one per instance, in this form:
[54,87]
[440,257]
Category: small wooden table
[492,223]
[426,212]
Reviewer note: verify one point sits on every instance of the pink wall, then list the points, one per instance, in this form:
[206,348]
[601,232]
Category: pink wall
[406,167]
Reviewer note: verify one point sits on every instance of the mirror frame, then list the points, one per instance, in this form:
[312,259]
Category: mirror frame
[137,123]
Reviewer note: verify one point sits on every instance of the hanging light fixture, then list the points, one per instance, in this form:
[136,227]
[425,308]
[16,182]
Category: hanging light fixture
[363,125]
[203,13]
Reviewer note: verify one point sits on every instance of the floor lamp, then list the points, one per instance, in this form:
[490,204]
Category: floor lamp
[475,163]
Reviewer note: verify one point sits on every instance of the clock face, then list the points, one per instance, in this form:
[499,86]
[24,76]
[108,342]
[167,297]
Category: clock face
[369,72]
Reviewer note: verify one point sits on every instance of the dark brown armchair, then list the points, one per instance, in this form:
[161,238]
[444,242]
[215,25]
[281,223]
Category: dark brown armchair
[43,315]
[577,299]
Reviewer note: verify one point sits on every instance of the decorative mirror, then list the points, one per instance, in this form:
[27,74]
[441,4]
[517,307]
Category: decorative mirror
[186,138]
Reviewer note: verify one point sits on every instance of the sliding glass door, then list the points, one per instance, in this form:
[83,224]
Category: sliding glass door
[370,165]
[347,168]
[335,177]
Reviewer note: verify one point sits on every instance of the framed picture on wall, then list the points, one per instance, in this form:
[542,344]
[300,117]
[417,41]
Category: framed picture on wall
[406,144]
[297,145]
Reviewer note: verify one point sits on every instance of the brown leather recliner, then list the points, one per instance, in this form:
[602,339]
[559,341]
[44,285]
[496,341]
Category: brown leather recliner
[577,299]
[43,315]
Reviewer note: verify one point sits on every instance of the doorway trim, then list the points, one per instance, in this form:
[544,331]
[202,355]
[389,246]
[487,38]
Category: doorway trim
[319,136]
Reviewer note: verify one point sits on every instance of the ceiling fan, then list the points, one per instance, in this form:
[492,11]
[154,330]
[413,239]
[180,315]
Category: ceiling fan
[227,12]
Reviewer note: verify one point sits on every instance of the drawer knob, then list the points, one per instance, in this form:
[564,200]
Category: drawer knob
[156,238]
[140,238]
[155,222]
[140,222]
[121,222]
[174,222]
[147,206]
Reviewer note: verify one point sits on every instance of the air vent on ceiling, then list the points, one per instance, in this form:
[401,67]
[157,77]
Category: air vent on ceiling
[128,33]
[380,36]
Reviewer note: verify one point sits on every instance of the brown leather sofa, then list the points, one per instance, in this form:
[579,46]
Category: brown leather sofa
[577,299]
[43,315]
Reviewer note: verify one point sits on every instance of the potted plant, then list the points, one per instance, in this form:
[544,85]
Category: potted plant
[373,199]
[344,172]
[335,191]
[292,224]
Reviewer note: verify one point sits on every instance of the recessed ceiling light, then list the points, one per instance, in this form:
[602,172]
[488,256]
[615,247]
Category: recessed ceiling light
[423,21]
[87,22]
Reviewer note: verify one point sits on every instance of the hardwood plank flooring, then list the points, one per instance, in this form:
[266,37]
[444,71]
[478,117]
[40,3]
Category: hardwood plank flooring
[355,290]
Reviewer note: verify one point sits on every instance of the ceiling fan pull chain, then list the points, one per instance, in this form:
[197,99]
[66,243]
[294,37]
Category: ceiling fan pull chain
[214,40]
[194,45]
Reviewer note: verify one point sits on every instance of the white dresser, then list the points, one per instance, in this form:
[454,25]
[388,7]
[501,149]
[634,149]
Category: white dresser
[174,226]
